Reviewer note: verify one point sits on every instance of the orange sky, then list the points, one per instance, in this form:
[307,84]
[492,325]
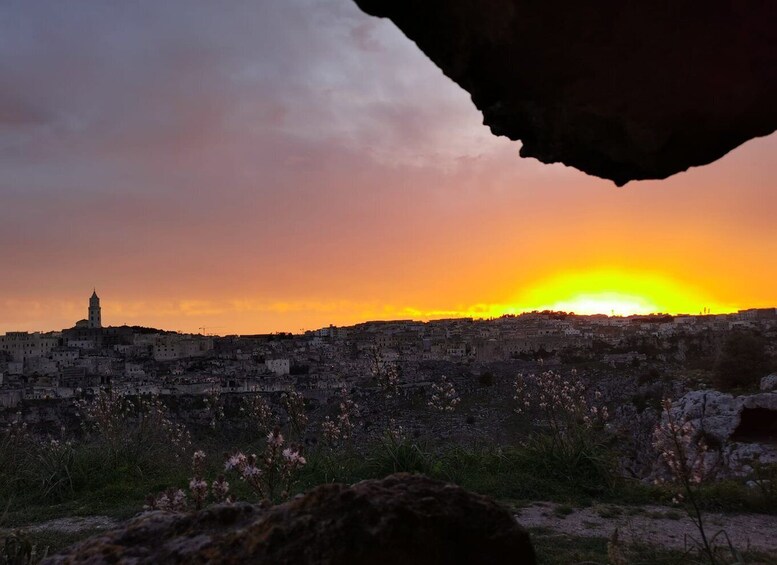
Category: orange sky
[274,168]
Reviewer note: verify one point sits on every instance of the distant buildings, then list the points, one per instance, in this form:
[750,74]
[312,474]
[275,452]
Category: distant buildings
[80,359]
[757,314]
[177,346]
[23,346]
[278,367]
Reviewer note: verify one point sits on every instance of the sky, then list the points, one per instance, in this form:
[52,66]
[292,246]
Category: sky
[278,165]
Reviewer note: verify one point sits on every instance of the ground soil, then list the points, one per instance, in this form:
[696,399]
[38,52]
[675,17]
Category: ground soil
[653,525]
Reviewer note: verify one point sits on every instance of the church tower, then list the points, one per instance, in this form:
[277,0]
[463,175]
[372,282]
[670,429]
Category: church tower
[95,318]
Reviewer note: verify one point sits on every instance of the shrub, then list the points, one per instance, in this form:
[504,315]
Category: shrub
[134,432]
[52,468]
[340,430]
[399,455]
[256,415]
[571,443]
[742,361]
[294,404]
[16,448]
[444,397]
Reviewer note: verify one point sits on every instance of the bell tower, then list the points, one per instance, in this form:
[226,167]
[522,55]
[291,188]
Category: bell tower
[95,317]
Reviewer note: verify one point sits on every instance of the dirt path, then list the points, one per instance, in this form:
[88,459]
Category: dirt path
[654,525]
[74,524]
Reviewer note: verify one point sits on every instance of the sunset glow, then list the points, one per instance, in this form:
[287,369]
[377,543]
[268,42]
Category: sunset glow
[620,293]
[286,166]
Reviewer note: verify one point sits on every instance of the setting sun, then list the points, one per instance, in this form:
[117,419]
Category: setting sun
[612,303]
[617,293]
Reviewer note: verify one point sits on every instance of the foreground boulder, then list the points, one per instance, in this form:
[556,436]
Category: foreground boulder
[403,519]
[620,90]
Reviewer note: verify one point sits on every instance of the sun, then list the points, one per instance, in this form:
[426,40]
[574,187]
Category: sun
[616,292]
[612,303]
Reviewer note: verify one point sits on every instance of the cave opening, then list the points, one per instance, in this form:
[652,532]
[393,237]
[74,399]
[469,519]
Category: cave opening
[757,425]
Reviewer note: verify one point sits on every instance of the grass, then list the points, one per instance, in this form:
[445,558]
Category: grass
[563,510]
[514,475]
[102,485]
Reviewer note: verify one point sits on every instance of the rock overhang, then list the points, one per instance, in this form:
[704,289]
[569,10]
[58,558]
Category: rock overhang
[626,91]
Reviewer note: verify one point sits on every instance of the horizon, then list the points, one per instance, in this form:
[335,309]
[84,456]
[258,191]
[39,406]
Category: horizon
[302,331]
[286,166]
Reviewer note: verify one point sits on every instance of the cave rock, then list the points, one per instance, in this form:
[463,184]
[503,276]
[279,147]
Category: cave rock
[619,90]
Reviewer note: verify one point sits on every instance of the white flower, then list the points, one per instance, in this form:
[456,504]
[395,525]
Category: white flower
[251,471]
[275,439]
[198,485]
[235,461]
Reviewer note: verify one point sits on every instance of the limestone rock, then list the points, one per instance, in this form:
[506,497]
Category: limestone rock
[741,457]
[403,518]
[715,413]
[744,426]
[764,401]
[769,382]
[620,90]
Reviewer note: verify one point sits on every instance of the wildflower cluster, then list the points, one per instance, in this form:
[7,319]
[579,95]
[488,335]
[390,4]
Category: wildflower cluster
[198,487]
[341,429]
[294,404]
[220,489]
[560,401]
[271,475]
[156,421]
[16,431]
[684,451]
[681,449]
[171,500]
[129,427]
[214,407]
[444,397]
[258,413]
[106,414]
[176,500]
[395,432]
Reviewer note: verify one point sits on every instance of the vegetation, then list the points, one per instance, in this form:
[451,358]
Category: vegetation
[132,449]
[742,361]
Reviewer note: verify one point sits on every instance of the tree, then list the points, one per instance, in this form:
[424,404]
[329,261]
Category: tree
[742,361]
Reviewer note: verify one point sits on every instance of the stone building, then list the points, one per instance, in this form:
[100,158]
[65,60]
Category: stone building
[22,346]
